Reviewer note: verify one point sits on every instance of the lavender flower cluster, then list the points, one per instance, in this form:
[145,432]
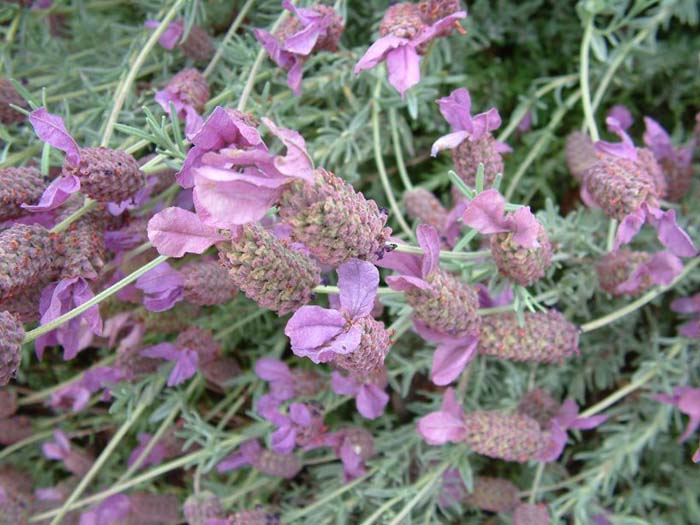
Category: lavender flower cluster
[230,269]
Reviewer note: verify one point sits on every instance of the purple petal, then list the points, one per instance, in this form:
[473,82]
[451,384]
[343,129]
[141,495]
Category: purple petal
[671,235]
[403,64]
[525,227]
[185,367]
[430,334]
[438,28]
[484,122]
[175,232]
[687,305]
[163,287]
[661,269]
[294,76]
[691,329]
[358,282]
[484,213]
[279,56]
[404,263]
[456,109]
[344,385]
[268,407]
[624,149]
[689,402]
[55,194]
[585,423]
[352,462]
[403,283]
[439,428]
[283,439]
[300,414]
[313,326]
[272,370]
[622,115]
[450,405]
[170,37]
[429,241]
[656,138]
[302,42]
[167,351]
[377,52]
[297,162]
[51,129]
[449,141]
[225,128]
[450,359]
[696,456]
[371,401]
[629,227]
[556,445]
[502,299]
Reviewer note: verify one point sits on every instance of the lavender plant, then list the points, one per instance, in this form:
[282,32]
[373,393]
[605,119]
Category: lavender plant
[232,293]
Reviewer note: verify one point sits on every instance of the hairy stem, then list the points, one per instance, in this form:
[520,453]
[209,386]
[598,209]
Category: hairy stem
[400,164]
[584,80]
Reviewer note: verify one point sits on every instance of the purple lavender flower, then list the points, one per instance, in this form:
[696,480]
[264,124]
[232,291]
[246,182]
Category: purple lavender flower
[197,45]
[354,446]
[566,418]
[675,162]
[457,111]
[266,461]
[369,394]
[111,511]
[445,425]
[75,335]
[624,189]
[687,400]
[301,426]
[402,51]
[188,91]
[321,333]
[75,460]
[313,29]
[284,382]
[163,286]
[175,232]
[689,305]
[77,394]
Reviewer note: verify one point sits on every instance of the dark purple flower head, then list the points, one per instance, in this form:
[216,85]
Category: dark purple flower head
[457,111]
[186,360]
[402,54]
[312,29]
[163,286]
[687,400]
[370,397]
[445,425]
[302,426]
[320,333]
[75,335]
[486,214]
[622,115]
[689,305]
[566,418]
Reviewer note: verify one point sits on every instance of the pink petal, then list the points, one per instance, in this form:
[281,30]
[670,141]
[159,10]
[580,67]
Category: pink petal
[55,194]
[586,423]
[450,404]
[271,369]
[302,42]
[629,227]
[371,400]
[404,263]
[343,385]
[358,282]
[693,424]
[691,329]
[313,326]
[429,241]
[439,428]
[428,33]
[622,115]
[450,359]
[297,162]
[185,367]
[403,283]
[449,141]
[687,305]
[283,440]
[671,235]
[175,232]
[696,456]
[525,227]
[167,351]
[662,268]
[403,64]
[624,149]
[556,445]
[485,122]
[170,37]
[294,76]
[456,109]
[377,52]
[51,129]
[656,138]
[484,213]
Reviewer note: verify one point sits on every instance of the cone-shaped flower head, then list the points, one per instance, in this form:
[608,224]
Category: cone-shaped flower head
[493,494]
[17,186]
[188,91]
[266,461]
[257,516]
[401,48]
[199,508]
[625,190]
[544,337]
[82,245]
[9,95]
[531,514]
[433,10]
[689,305]
[580,153]
[519,245]
[675,162]
[268,271]
[626,272]
[325,335]
[11,336]
[333,221]
[312,29]
[424,206]
[207,283]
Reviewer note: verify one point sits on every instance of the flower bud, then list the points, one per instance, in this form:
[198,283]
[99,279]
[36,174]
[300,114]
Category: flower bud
[9,95]
[580,153]
[198,45]
[17,186]
[106,175]
[11,337]
[616,267]
[258,516]
[207,283]
[15,429]
[333,221]
[190,86]
[523,265]
[401,20]
[530,514]
[493,494]
[369,355]
[539,405]
[544,337]
[423,205]
[278,465]
[201,507]
[269,271]
[511,437]
[469,154]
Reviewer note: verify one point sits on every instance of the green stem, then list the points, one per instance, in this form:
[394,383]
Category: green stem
[238,324]
[401,165]
[634,385]
[107,452]
[536,482]
[584,80]
[128,256]
[433,478]
[635,305]
[41,330]
[88,205]
[325,289]
[544,139]
[248,88]
[612,229]
[120,96]
[376,134]
[445,254]
[229,34]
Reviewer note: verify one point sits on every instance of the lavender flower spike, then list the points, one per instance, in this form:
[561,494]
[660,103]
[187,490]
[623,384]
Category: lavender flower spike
[402,50]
